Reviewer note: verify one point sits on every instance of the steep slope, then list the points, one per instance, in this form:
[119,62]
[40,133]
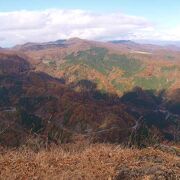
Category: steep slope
[13,64]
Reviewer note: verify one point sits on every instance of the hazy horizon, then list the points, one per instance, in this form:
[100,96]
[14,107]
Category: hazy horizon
[43,21]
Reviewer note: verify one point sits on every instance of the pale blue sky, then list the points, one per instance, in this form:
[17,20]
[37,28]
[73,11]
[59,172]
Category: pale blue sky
[166,12]
[46,20]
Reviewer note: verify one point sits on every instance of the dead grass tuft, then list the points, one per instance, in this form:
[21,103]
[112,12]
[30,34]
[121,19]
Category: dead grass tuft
[89,161]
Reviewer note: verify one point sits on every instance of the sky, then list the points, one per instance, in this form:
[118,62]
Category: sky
[46,20]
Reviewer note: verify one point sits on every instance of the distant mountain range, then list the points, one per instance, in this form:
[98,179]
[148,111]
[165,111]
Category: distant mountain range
[160,43]
[122,42]
[175,44]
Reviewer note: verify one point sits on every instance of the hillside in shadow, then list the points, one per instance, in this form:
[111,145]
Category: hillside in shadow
[36,104]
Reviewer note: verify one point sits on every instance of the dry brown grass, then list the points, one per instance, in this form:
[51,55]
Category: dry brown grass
[97,161]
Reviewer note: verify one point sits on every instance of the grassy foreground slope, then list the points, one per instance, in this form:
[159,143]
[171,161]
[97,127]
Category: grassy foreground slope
[98,161]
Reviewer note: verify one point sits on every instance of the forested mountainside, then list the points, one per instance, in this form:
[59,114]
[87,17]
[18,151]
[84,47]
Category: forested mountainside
[114,67]
[123,92]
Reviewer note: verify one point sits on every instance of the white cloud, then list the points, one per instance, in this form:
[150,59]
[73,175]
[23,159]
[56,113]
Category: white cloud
[37,26]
